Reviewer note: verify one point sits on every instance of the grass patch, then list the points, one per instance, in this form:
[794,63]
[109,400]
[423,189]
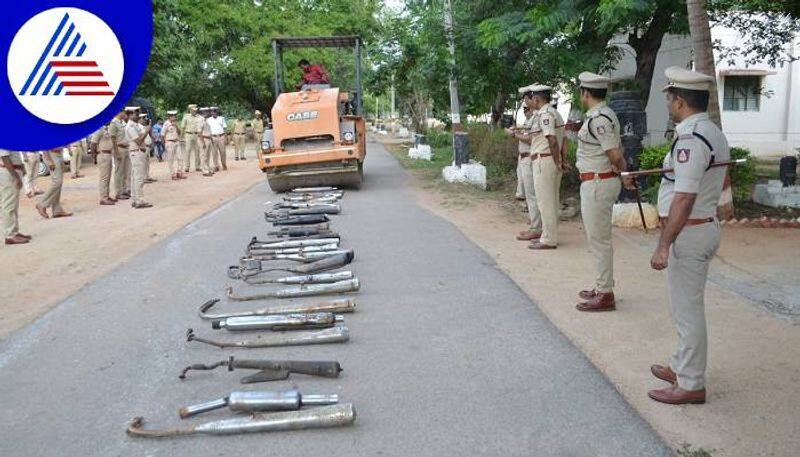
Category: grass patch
[687,451]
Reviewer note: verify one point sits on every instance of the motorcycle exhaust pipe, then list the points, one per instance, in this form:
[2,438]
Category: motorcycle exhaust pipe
[305,234]
[318,227]
[271,370]
[315,189]
[322,417]
[316,209]
[278,322]
[336,334]
[323,278]
[254,268]
[298,220]
[350,285]
[259,401]
[254,244]
[254,253]
[333,306]
[304,257]
[308,204]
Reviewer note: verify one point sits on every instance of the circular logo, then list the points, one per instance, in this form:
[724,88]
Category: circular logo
[65,65]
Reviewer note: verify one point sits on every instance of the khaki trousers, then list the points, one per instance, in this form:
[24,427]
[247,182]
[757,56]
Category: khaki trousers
[520,189]
[687,271]
[121,172]
[104,174]
[597,204]
[238,145]
[31,161]
[9,203]
[193,146]
[547,182]
[218,149]
[529,190]
[138,172]
[52,196]
[147,162]
[206,162]
[76,159]
[174,158]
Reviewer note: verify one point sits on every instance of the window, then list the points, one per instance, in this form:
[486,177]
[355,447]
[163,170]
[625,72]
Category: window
[742,93]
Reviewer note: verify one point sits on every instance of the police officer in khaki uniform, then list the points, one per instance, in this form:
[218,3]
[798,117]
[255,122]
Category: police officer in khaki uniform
[171,134]
[103,148]
[258,128]
[238,131]
[205,135]
[687,204]
[144,121]
[599,162]
[135,135]
[77,151]
[52,196]
[119,148]
[191,124]
[10,185]
[523,135]
[31,161]
[547,136]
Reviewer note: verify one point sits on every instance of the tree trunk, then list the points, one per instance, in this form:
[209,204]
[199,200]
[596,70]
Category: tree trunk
[704,63]
[704,52]
[498,107]
[646,48]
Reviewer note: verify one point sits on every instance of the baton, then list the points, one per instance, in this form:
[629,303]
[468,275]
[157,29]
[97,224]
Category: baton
[657,171]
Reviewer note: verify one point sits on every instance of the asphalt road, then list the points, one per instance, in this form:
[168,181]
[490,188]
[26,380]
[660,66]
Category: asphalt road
[447,356]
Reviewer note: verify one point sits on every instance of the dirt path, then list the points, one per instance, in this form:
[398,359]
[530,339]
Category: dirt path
[68,253]
[754,360]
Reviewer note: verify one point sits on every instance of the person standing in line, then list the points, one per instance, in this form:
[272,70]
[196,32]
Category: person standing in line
[690,234]
[159,140]
[258,129]
[120,150]
[218,126]
[238,131]
[205,135]
[599,161]
[546,141]
[191,126]
[102,148]
[171,135]
[10,185]
[31,161]
[135,135]
[77,151]
[52,196]
[149,145]
[523,135]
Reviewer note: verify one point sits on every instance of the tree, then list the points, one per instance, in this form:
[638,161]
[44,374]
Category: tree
[704,52]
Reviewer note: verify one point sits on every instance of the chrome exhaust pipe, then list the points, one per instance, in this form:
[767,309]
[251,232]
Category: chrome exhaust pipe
[315,227]
[300,250]
[271,370]
[305,257]
[302,219]
[322,417]
[336,334]
[254,268]
[278,322]
[350,285]
[334,306]
[259,401]
[254,244]
[315,189]
[322,278]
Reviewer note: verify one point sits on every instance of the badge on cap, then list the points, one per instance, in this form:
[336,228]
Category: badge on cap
[683,155]
[601,130]
[546,121]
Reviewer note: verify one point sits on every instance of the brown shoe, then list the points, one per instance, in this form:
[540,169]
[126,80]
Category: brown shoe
[208,174]
[528,235]
[16,239]
[224,168]
[107,201]
[62,214]
[663,373]
[587,294]
[196,169]
[180,176]
[122,197]
[22,235]
[142,205]
[602,301]
[674,395]
[42,211]
[537,246]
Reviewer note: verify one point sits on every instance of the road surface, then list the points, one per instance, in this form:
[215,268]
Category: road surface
[447,356]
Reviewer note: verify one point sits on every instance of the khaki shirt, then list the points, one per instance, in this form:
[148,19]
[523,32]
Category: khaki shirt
[547,121]
[699,143]
[205,130]
[14,156]
[192,123]
[239,127]
[117,130]
[597,135]
[102,139]
[527,125]
[258,126]
[169,131]
[132,132]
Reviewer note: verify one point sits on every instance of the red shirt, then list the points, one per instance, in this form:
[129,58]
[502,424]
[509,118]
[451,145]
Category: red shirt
[315,74]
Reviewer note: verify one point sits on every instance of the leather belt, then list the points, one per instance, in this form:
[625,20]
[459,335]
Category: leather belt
[171,141]
[238,133]
[590,175]
[689,222]
[524,155]
[217,136]
[13,165]
[192,133]
[536,156]
[109,151]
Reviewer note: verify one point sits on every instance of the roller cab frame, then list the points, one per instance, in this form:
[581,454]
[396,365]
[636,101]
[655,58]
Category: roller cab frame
[318,134]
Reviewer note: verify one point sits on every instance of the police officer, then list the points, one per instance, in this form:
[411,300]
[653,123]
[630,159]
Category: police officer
[205,136]
[52,196]
[690,235]
[119,147]
[102,148]
[77,151]
[31,161]
[171,134]
[547,135]
[144,121]
[10,185]
[258,128]
[599,162]
[218,129]
[191,124]
[135,134]
[523,135]
[238,131]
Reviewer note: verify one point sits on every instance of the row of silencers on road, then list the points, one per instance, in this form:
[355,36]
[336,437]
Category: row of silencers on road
[316,248]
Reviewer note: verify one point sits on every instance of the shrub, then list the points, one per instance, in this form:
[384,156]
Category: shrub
[438,139]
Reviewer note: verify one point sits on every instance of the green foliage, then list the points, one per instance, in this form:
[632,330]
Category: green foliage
[687,451]
[438,139]
[496,151]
